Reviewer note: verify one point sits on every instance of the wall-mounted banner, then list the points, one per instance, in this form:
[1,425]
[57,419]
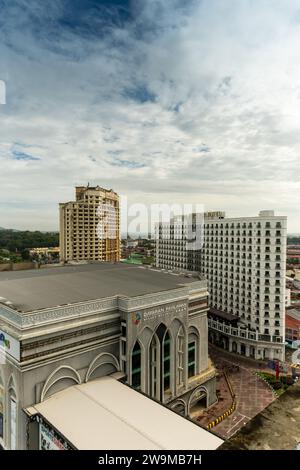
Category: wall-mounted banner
[1,412]
[51,440]
[9,345]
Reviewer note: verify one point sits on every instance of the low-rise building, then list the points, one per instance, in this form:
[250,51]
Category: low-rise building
[292,325]
[70,325]
[45,251]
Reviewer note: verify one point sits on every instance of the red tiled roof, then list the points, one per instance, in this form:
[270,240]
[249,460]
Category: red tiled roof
[291,322]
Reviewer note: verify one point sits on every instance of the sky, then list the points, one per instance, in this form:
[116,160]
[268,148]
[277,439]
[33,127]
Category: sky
[185,101]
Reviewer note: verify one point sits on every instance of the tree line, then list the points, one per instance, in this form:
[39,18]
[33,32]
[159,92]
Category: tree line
[18,241]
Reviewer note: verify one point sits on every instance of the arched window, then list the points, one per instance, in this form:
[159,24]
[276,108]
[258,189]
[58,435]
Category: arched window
[136,364]
[154,367]
[166,360]
[192,359]
[160,363]
[193,352]
[12,416]
[180,357]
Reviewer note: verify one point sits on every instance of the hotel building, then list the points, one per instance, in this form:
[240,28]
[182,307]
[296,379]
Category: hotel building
[90,226]
[243,260]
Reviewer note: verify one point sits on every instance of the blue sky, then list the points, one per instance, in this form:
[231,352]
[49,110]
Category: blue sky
[162,100]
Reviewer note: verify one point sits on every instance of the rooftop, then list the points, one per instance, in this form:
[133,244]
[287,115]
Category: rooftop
[223,315]
[128,419]
[42,288]
[293,313]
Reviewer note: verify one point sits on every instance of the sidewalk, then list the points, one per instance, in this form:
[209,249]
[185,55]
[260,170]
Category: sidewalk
[252,393]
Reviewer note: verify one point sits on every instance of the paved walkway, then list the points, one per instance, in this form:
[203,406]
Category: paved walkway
[252,393]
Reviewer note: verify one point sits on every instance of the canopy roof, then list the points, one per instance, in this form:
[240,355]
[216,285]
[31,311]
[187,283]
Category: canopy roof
[106,414]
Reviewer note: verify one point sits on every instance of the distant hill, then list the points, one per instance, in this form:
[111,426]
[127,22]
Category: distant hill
[2,229]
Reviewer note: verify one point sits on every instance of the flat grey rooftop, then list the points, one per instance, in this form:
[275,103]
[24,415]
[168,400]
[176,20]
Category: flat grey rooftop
[41,288]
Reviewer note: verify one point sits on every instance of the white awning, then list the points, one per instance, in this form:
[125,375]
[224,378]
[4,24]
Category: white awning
[105,414]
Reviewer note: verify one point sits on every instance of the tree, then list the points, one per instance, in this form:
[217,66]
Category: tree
[25,254]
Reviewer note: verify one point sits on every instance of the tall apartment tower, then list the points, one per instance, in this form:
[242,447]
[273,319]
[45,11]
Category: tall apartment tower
[243,260]
[176,243]
[90,226]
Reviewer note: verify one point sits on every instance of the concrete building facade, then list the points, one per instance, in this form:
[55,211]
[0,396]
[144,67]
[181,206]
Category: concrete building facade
[243,260]
[90,226]
[74,324]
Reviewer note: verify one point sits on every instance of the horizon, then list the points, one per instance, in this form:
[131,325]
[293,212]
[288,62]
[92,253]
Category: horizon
[123,235]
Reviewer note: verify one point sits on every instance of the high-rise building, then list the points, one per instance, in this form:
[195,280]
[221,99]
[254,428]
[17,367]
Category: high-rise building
[90,226]
[243,260]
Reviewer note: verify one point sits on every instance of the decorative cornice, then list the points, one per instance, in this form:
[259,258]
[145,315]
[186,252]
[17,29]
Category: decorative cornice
[27,320]
[10,315]
[51,315]
[150,300]
[197,286]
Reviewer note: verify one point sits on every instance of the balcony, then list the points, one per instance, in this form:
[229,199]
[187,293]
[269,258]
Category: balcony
[242,333]
[264,338]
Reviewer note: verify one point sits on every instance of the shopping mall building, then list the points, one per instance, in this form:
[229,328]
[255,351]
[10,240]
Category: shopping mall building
[80,340]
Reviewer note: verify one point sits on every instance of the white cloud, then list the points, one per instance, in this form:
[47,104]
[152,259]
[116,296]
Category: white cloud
[133,108]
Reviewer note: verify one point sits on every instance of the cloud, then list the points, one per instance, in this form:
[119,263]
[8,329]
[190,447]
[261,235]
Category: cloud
[17,155]
[162,99]
[126,163]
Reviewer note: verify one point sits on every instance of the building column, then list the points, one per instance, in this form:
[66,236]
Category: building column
[282,354]
[230,345]
[145,369]
[238,347]
[247,350]
[186,359]
[271,353]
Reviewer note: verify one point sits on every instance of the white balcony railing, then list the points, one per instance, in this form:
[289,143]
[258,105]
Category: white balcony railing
[242,332]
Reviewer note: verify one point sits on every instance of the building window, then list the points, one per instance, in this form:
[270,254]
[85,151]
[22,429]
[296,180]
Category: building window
[180,357]
[192,359]
[166,360]
[123,329]
[123,347]
[136,364]
[153,367]
[13,419]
